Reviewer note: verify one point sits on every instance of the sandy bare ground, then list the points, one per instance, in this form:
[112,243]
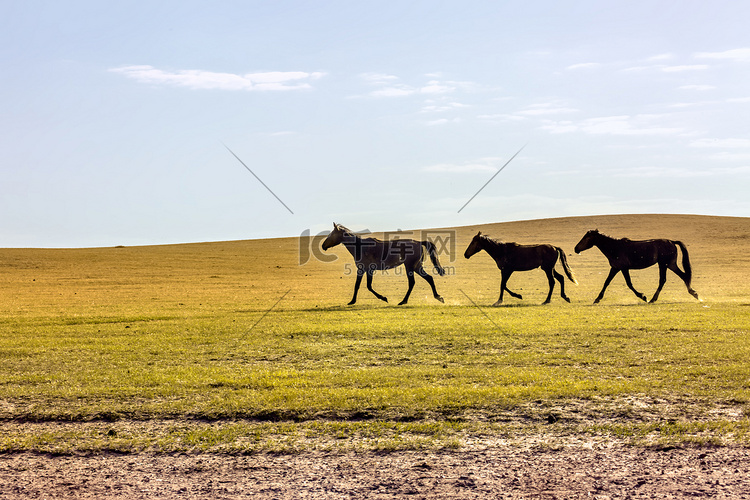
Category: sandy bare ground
[614,472]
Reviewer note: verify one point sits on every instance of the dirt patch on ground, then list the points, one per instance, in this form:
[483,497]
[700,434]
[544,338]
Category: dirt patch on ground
[505,472]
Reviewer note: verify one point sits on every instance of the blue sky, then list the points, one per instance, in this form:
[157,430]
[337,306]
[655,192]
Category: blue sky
[116,117]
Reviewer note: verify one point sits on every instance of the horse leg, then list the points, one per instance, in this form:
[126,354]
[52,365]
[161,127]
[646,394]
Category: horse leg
[626,274]
[360,272]
[511,292]
[410,276]
[369,287]
[662,280]
[505,276]
[551,281]
[431,281]
[561,279]
[683,277]
[612,273]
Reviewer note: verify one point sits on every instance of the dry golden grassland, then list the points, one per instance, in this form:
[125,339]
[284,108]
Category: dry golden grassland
[236,347]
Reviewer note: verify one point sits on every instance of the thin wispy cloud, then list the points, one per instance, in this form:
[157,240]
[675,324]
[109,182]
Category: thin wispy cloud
[726,143]
[392,86]
[739,55]
[660,57]
[652,172]
[378,78]
[209,80]
[678,172]
[590,65]
[684,67]
[623,125]
[442,121]
[546,109]
[432,87]
[434,107]
[483,165]
[699,88]
[678,68]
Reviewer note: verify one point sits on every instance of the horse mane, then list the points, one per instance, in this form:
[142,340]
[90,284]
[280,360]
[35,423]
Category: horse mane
[349,232]
[345,229]
[491,240]
[608,236]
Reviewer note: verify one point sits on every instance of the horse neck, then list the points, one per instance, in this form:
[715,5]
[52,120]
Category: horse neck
[351,242]
[605,243]
[491,246]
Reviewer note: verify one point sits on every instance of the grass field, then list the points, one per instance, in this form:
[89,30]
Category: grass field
[235,347]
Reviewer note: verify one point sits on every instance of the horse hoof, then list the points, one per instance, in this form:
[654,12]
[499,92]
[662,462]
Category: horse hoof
[497,304]
[384,299]
[566,299]
[402,303]
[352,303]
[545,302]
[440,299]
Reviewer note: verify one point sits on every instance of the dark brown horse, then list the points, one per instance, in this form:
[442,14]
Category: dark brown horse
[511,257]
[371,254]
[624,254]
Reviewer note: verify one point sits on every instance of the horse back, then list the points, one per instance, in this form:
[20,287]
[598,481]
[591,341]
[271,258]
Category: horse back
[640,254]
[527,257]
[394,253]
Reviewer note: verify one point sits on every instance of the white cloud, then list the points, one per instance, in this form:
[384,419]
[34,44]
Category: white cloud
[721,143]
[660,57]
[391,86]
[393,92]
[739,55]
[613,125]
[208,80]
[433,107]
[638,68]
[668,69]
[546,109]
[685,67]
[697,87]
[483,165]
[435,87]
[442,121]
[502,117]
[378,78]
[591,65]
[431,88]
[726,156]
[679,172]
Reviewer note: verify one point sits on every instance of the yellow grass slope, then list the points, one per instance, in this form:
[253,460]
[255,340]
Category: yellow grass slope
[242,276]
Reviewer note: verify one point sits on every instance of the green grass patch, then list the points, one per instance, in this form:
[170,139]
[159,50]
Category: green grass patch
[191,348]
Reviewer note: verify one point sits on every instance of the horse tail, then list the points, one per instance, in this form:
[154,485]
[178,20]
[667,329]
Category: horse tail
[685,262]
[566,267]
[434,257]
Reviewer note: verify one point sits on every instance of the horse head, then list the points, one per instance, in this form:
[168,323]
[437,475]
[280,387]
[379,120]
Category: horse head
[587,241]
[474,246]
[334,237]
